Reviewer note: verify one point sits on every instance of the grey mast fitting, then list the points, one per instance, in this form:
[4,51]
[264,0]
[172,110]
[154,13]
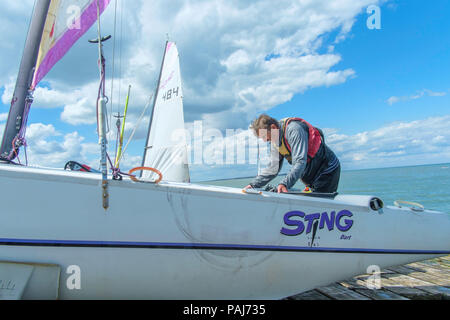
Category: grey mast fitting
[101,111]
[25,77]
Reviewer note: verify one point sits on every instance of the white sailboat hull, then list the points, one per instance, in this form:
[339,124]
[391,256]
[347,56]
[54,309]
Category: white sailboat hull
[183,241]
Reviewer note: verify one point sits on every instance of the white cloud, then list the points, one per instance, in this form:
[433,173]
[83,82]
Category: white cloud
[8,88]
[80,112]
[224,48]
[51,148]
[238,58]
[396,144]
[394,99]
[39,131]
[14,17]
[128,162]
[78,103]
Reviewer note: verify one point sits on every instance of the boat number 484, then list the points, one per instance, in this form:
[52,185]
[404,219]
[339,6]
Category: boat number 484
[299,222]
[170,94]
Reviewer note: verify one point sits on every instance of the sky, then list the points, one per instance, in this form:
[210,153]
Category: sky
[372,74]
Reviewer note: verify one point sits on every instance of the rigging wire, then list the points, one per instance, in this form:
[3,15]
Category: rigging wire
[120,55]
[118,103]
[136,127]
[111,115]
[113,65]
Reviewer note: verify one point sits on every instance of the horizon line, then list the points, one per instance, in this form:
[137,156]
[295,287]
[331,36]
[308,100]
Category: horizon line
[346,170]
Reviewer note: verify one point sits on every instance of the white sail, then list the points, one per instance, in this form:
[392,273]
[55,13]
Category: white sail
[166,148]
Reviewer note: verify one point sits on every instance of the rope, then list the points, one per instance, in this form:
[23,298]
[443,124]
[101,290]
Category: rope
[133,177]
[20,140]
[414,206]
[116,172]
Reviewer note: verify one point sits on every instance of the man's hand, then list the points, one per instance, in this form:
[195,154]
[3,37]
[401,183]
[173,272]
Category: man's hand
[282,189]
[248,187]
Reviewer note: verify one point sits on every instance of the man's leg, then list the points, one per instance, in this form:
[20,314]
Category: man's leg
[327,183]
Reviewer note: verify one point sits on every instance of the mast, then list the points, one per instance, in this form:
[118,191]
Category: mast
[22,93]
[153,110]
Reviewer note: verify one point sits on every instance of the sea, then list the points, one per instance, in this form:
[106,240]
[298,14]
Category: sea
[428,185]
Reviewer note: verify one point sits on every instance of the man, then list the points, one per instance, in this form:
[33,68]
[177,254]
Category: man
[303,146]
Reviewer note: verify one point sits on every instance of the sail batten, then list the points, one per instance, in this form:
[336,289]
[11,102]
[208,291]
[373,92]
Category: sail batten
[166,148]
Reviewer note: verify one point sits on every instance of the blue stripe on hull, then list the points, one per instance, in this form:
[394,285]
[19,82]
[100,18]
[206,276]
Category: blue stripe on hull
[205,246]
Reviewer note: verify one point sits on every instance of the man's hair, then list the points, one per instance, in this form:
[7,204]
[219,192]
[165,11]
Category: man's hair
[263,122]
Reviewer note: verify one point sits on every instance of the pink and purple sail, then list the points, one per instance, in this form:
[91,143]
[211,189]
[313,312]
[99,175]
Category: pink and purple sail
[67,21]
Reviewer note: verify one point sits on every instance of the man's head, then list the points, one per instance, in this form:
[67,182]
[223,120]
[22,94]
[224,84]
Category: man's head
[266,128]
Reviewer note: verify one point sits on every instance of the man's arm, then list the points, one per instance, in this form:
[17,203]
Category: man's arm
[270,172]
[297,138]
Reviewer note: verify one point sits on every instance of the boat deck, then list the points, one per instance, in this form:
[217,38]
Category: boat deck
[426,280]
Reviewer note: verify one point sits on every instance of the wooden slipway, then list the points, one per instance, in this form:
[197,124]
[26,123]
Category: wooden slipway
[426,280]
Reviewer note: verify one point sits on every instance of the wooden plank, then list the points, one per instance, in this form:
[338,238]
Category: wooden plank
[442,272]
[437,291]
[338,292]
[438,263]
[310,295]
[429,277]
[361,282]
[424,280]
[352,284]
[410,293]
[434,292]
[405,291]
[443,263]
[445,259]
[380,294]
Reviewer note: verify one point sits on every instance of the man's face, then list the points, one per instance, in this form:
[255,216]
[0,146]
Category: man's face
[269,135]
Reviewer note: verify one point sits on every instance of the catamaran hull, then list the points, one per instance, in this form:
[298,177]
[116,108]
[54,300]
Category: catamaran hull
[181,241]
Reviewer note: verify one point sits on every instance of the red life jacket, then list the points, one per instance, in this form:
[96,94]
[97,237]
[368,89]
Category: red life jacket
[314,139]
